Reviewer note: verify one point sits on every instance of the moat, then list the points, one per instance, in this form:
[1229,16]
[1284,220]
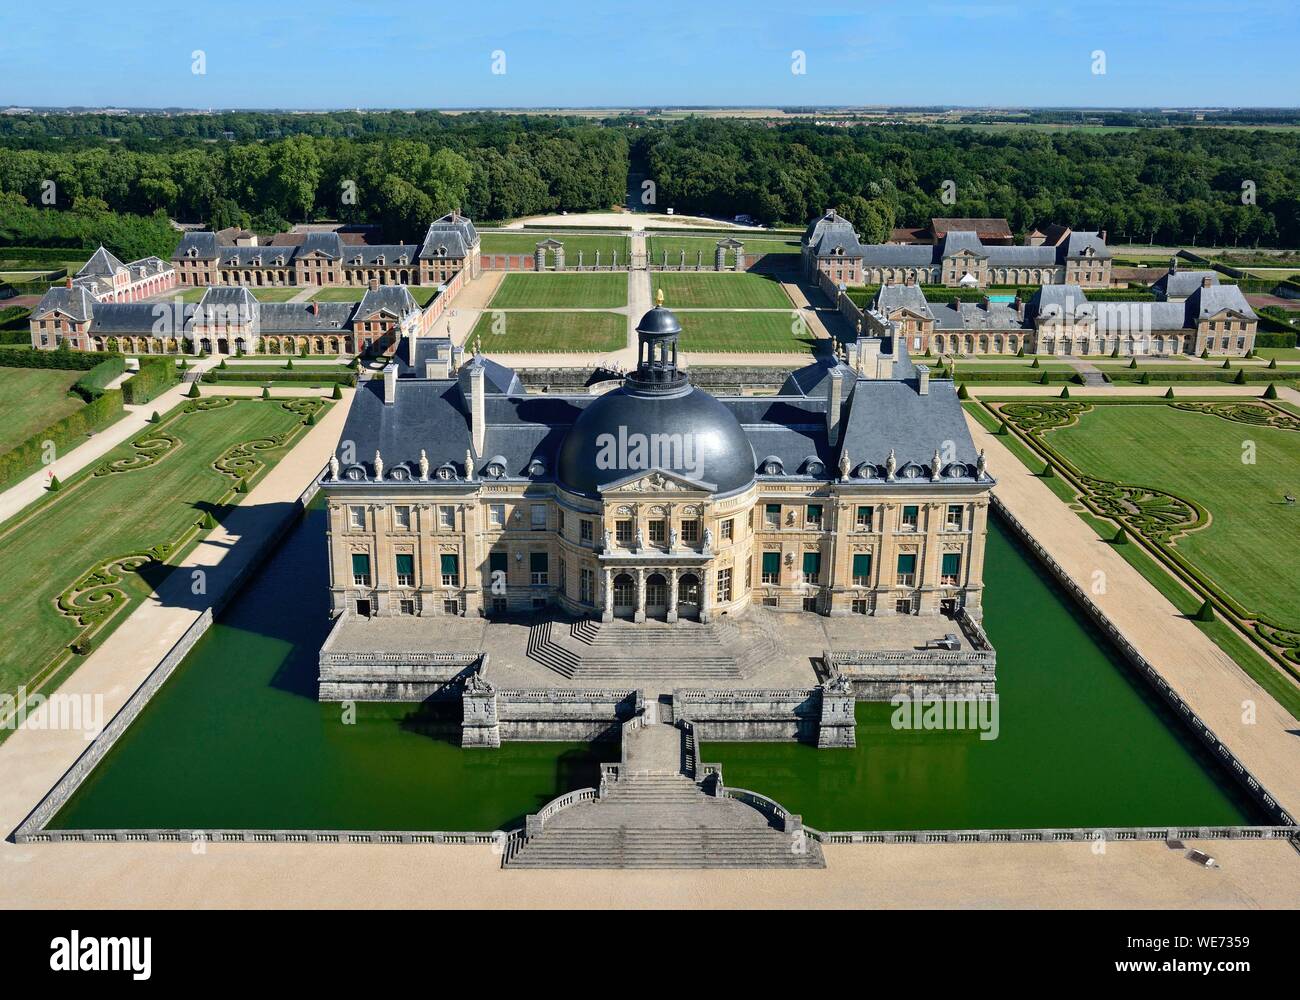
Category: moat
[236,738]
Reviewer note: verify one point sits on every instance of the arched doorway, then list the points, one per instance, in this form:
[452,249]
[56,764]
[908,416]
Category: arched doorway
[223,345]
[688,596]
[656,596]
[624,596]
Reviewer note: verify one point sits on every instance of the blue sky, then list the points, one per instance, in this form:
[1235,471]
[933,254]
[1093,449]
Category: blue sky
[363,53]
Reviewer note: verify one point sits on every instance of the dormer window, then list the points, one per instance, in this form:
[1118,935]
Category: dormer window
[495,470]
[355,473]
[192,252]
[446,472]
[536,468]
[400,472]
[379,259]
[442,251]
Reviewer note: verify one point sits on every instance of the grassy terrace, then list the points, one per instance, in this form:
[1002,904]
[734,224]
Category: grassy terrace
[561,291]
[79,560]
[720,291]
[744,332]
[524,332]
[526,243]
[34,398]
[695,245]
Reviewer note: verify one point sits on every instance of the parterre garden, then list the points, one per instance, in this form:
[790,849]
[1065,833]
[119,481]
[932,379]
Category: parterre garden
[80,558]
[1202,484]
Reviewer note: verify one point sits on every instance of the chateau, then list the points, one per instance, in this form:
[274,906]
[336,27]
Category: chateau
[454,493]
[1194,314]
[450,246]
[958,258]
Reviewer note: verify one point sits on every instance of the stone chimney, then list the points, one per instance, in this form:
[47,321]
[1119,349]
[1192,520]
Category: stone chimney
[1019,304]
[314,308]
[477,408]
[1205,281]
[390,384]
[834,403]
[1173,264]
[410,349]
[907,279]
[68,283]
[374,284]
[1102,236]
[923,380]
[985,302]
[430,368]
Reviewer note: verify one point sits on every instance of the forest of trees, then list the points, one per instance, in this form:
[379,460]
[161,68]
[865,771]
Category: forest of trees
[1183,186]
[492,167]
[1179,186]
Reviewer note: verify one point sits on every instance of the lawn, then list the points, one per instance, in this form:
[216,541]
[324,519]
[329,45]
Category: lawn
[1248,546]
[526,243]
[561,291]
[518,332]
[114,514]
[274,294]
[703,248]
[33,399]
[743,332]
[720,291]
[339,294]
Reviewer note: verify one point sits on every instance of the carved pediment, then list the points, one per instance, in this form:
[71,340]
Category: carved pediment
[656,481]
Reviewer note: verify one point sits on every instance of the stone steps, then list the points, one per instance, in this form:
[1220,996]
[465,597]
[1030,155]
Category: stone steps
[628,847]
[631,653]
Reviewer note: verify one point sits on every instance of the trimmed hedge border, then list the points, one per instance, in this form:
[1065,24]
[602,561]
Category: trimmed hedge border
[214,375]
[66,360]
[94,383]
[156,375]
[98,413]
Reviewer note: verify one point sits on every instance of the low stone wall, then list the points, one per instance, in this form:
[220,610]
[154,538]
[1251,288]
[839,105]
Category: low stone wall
[883,675]
[375,675]
[1218,749]
[564,714]
[822,716]
[33,825]
[1054,835]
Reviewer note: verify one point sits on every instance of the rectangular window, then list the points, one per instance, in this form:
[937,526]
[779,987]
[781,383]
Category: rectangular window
[586,581]
[724,586]
[860,606]
[813,518]
[951,569]
[450,567]
[563,575]
[658,531]
[498,568]
[771,567]
[903,607]
[451,607]
[537,517]
[539,564]
[585,530]
[357,517]
[862,569]
[690,532]
[402,518]
[496,514]
[405,569]
[446,516]
[360,569]
[559,522]
[907,569]
[728,529]
[406,607]
[956,518]
[623,532]
[772,515]
[911,517]
[812,566]
[863,520]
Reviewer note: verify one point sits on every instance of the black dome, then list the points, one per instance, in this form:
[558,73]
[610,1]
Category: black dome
[698,437]
[659,322]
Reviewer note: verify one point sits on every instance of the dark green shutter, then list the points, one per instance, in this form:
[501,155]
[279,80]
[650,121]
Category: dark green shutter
[538,562]
[450,563]
[907,563]
[405,564]
[812,565]
[497,562]
[360,564]
[861,565]
[951,563]
[772,563]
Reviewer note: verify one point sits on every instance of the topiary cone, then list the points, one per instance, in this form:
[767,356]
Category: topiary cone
[1206,613]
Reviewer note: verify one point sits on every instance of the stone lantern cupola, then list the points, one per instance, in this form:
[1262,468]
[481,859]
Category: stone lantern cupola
[657,335]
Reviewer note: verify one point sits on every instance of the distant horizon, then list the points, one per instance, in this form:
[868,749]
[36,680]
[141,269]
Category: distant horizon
[511,55]
[7,106]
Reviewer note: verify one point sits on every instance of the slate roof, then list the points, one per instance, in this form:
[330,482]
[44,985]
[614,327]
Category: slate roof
[75,302]
[1180,284]
[990,228]
[830,230]
[977,316]
[298,317]
[893,297]
[204,246]
[393,299]
[453,232]
[136,318]
[101,262]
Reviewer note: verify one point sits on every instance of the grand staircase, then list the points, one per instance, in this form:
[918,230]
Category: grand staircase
[652,814]
[625,652]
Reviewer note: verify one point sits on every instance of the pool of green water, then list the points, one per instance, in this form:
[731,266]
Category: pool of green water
[236,739]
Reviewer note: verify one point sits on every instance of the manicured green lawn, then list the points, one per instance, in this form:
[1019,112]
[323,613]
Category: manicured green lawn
[423,294]
[704,248]
[526,243]
[274,294]
[719,291]
[340,294]
[743,332]
[1248,547]
[517,332]
[561,291]
[95,518]
[31,399]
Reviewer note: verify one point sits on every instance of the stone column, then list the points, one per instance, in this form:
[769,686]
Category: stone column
[640,596]
[608,614]
[705,601]
[672,595]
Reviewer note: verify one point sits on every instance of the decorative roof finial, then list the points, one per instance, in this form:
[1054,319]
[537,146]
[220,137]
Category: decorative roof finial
[659,298]
[934,467]
[891,465]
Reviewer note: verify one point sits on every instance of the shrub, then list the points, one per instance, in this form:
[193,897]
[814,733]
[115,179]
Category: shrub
[209,522]
[241,486]
[289,364]
[222,366]
[92,385]
[1065,392]
[82,646]
[1043,379]
[1048,471]
[1206,612]
[155,419]
[155,376]
[1241,377]
[55,485]
[337,393]
[1225,366]
[1133,363]
[1121,536]
[963,392]
[26,456]
[266,392]
[1145,379]
[62,360]
[1271,391]
[194,390]
[1169,393]
[1272,363]
[1035,364]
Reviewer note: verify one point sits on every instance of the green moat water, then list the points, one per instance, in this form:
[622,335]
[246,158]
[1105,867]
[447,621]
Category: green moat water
[236,739]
